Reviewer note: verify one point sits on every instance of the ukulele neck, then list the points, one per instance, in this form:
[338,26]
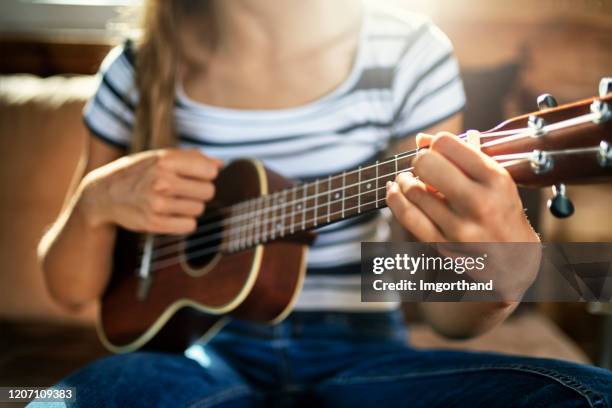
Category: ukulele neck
[557,145]
[313,204]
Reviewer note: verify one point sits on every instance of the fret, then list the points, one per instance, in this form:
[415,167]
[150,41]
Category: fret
[248,239]
[265,218]
[359,190]
[395,162]
[310,205]
[272,214]
[283,203]
[280,222]
[404,163]
[273,208]
[316,201]
[376,183]
[233,226]
[387,172]
[253,221]
[271,217]
[261,208]
[238,229]
[368,193]
[323,201]
[242,226]
[304,196]
[329,187]
[336,203]
[343,190]
[351,193]
[292,208]
[257,220]
[298,206]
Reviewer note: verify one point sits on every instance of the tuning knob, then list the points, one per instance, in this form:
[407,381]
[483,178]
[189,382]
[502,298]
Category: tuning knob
[546,101]
[605,86]
[560,205]
[604,154]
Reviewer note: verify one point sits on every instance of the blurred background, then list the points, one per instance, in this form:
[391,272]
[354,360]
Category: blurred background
[510,52]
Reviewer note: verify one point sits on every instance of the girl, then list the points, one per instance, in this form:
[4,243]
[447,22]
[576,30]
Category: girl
[311,88]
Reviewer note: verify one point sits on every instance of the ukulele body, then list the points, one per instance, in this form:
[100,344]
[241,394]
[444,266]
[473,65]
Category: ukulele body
[186,301]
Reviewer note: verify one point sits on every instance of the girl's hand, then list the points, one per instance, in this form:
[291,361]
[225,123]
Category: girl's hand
[461,195]
[158,191]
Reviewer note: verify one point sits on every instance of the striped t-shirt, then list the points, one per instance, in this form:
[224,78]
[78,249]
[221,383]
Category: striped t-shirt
[404,79]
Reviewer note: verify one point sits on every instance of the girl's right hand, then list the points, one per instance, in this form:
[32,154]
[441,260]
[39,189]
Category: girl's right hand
[159,191]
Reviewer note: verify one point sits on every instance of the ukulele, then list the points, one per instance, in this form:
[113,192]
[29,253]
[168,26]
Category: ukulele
[247,257]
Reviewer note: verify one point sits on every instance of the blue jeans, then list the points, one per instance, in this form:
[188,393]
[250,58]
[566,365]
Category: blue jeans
[338,360]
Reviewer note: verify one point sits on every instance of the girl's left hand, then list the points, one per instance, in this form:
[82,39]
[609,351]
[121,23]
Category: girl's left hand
[461,195]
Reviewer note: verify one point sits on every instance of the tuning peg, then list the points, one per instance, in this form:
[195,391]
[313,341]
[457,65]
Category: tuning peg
[537,124]
[605,86]
[604,154]
[560,205]
[546,101]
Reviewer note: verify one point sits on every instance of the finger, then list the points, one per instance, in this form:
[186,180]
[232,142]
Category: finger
[177,206]
[169,224]
[437,171]
[435,208]
[423,140]
[215,160]
[477,165]
[190,163]
[200,154]
[411,217]
[187,188]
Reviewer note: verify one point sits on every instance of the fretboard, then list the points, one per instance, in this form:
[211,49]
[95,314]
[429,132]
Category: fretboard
[311,205]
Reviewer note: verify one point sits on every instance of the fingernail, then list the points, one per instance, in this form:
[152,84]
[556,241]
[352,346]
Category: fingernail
[388,185]
[393,187]
[406,176]
[419,139]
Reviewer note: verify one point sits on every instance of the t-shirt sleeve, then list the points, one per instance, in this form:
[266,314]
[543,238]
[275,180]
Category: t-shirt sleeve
[109,113]
[427,86]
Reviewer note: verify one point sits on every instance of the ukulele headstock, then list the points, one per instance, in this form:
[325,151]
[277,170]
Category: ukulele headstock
[557,145]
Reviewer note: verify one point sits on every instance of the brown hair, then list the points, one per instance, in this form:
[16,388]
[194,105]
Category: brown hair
[158,57]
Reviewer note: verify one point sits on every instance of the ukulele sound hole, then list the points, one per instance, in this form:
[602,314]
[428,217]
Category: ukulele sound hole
[202,246]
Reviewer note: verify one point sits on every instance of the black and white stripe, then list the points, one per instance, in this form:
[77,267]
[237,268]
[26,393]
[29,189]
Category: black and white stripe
[405,79]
